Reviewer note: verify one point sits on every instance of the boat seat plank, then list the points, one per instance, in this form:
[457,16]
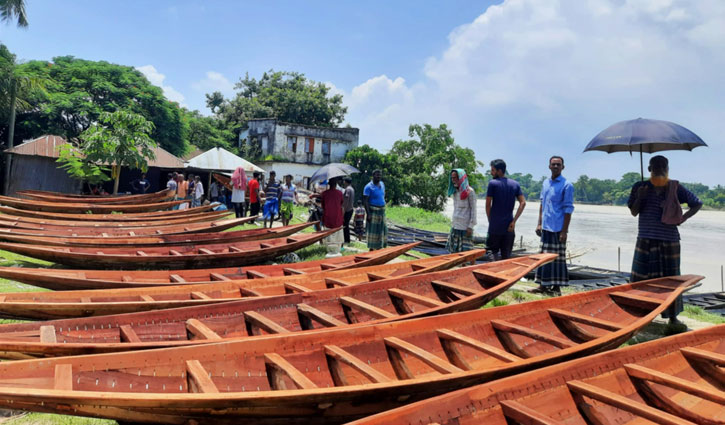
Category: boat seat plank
[328,266]
[176,278]
[367,308]
[504,326]
[363,368]
[217,276]
[374,276]
[290,271]
[249,292]
[128,334]
[268,325]
[131,233]
[196,295]
[104,234]
[253,274]
[200,330]
[141,254]
[198,378]
[174,252]
[637,301]
[63,379]
[588,320]
[147,298]
[235,249]
[416,298]
[521,414]
[620,402]
[708,356]
[478,345]
[488,279]
[417,267]
[291,288]
[290,239]
[265,245]
[662,286]
[2,298]
[452,287]
[85,299]
[643,373]
[427,357]
[47,334]
[206,251]
[332,282]
[279,365]
[361,258]
[318,316]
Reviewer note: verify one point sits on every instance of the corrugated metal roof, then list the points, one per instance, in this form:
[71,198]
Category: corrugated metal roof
[219,159]
[48,146]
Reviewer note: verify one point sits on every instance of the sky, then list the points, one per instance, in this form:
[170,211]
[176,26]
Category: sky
[520,80]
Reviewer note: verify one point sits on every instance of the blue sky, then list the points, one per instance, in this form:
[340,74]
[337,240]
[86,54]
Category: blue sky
[519,79]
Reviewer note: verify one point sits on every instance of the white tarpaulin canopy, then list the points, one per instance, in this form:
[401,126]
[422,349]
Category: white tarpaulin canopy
[219,159]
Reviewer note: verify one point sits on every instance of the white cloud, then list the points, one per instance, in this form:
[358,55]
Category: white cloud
[156,78]
[214,81]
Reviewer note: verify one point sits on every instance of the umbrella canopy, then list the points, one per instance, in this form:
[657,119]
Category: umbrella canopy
[331,170]
[644,135]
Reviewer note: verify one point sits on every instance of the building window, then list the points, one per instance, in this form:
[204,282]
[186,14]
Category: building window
[292,144]
[326,145]
[309,147]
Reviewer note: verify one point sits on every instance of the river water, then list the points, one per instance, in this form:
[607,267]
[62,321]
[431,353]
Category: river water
[598,231]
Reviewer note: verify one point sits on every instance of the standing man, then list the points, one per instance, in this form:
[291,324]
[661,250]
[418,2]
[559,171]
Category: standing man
[348,207]
[374,201]
[239,187]
[181,188]
[171,183]
[332,201]
[657,202]
[271,202]
[253,188]
[198,192]
[214,191]
[141,185]
[288,197]
[464,212]
[557,205]
[500,197]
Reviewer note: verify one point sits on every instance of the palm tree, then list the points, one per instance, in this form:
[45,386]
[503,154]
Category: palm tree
[12,9]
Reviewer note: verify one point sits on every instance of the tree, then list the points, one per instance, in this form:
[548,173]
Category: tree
[120,139]
[81,91]
[208,132]
[14,10]
[426,161]
[367,159]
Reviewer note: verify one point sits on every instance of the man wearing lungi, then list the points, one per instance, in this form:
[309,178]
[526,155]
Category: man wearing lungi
[374,201]
[557,205]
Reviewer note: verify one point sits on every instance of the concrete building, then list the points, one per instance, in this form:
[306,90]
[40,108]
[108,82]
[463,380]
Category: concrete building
[295,148]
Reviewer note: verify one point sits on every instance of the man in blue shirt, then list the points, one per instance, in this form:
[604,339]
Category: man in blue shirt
[557,205]
[500,197]
[374,202]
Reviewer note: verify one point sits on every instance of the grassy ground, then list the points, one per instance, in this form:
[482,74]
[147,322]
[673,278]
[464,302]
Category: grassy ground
[418,218]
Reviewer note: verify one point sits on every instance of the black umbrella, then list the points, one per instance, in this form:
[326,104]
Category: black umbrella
[643,135]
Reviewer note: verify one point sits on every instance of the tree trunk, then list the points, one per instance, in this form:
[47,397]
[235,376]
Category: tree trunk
[117,172]
[11,135]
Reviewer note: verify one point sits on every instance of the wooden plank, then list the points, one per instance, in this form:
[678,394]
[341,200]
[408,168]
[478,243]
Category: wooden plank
[175,252]
[249,292]
[196,295]
[200,330]
[478,345]
[427,357]
[127,278]
[504,326]
[452,287]
[278,364]
[256,319]
[198,378]
[588,320]
[318,316]
[638,301]
[328,266]
[206,251]
[365,369]
[291,288]
[290,271]
[2,298]
[235,249]
[708,356]
[141,254]
[47,334]
[416,298]
[176,278]
[367,308]
[217,276]
[63,379]
[620,402]
[488,279]
[85,299]
[253,274]
[128,334]
[265,245]
[521,414]
[147,298]
[636,371]
[372,277]
[331,282]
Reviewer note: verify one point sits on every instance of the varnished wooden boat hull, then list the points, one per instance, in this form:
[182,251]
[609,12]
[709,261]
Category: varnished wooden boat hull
[68,304]
[80,208]
[161,240]
[307,295]
[63,280]
[670,380]
[181,257]
[330,376]
[33,223]
[101,200]
[146,216]
[50,231]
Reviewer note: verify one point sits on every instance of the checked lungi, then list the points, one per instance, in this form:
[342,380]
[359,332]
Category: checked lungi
[271,208]
[554,273]
[376,229]
[656,258]
[458,241]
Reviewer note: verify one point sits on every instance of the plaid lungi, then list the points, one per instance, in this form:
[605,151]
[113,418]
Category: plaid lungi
[376,229]
[655,258]
[458,241]
[554,273]
[271,208]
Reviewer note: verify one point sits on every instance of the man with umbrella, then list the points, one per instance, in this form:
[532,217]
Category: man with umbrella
[657,202]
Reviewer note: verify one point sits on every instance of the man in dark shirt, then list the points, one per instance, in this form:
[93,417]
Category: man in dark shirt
[141,185]
[332,216]
[348,206]
[500,197]
[657,252]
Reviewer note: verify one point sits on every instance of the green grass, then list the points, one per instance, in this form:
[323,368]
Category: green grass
[50,419]
[418,218]
[698,313]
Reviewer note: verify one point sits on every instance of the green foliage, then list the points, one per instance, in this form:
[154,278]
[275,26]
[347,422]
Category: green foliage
[81,90]
[77,167]
[207,132]
[14,10]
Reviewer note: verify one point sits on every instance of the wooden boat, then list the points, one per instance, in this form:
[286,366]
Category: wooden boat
[51,231]
[34,223]
[146,216]
[104,200]
[300,310]
[81,196]
[81,208]
[181,257]
[337,374]
[69,304]
[62,279]
[160,240]
[674,380]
